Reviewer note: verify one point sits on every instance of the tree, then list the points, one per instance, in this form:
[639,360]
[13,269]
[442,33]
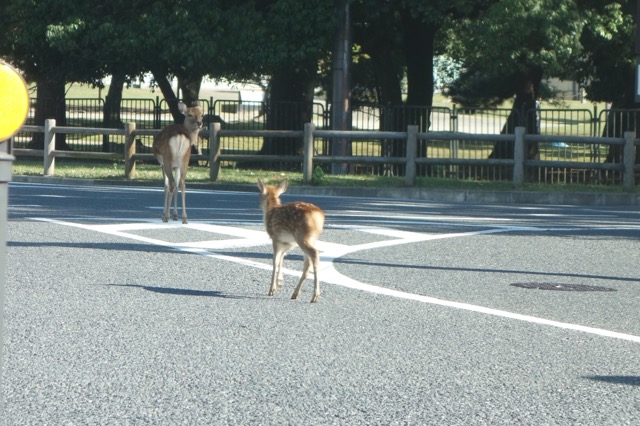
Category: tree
[56,42]
[401,39]
[39,45]
[516,44]
[607,67]
[289,43]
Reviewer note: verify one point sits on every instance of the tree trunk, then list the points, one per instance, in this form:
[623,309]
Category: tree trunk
[190,87]
[289,107]
[623,117]
[522,114]
[50,103]
[169,96]
[379,41]
[111,113]
[419,47]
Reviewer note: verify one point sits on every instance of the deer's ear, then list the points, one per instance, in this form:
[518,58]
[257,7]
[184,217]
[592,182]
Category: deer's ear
[282,186]
[182,107]
[261,186]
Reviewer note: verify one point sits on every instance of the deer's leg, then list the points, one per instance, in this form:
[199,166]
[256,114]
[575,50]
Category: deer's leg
[311,258]
[278,255]
[174,192]
[183,178]
[280,249]
[167,195]
[303,278]
[280,278]
[315,260]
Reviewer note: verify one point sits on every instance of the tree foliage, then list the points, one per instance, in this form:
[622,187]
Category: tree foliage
[506,48]
[511,39]
[606,69]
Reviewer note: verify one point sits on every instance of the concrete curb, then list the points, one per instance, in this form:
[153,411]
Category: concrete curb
[433,195]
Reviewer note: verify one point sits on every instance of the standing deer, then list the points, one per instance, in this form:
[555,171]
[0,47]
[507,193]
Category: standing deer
[288,225]
[172,148]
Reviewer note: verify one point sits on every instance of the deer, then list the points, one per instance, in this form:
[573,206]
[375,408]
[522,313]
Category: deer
[172,148]
[297,223]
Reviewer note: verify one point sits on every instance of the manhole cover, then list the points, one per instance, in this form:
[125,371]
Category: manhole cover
[562,287]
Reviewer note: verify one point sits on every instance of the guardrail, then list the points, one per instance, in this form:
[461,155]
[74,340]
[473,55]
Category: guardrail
[519,163]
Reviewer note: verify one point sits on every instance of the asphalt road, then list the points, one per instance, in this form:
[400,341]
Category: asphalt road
[114,318]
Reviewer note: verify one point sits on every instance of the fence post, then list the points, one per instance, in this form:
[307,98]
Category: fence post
[49,147]
[518,158]
[307,162]
[629,158]
[129,151]
[157,112]
[214,151]
[412,152]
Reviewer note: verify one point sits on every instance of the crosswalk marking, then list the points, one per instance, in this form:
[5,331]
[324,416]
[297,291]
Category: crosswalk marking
[244,237]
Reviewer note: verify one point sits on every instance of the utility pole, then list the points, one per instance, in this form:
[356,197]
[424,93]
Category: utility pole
[340,106]
[637,51]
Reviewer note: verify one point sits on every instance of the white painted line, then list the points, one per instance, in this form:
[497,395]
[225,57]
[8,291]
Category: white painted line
[331,276]
[226,244]
[202,209]
[336,278]
[426,217]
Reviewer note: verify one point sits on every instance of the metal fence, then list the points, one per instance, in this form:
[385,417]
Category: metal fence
[519,165]
[251,116]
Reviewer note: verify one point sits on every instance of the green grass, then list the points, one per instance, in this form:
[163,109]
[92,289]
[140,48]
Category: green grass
[150,173]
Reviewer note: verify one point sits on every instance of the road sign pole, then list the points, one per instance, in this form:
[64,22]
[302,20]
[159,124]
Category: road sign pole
[14,106]
[6,161]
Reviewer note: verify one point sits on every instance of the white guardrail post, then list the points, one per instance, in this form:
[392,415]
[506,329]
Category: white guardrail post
[307,162]
[629,159]
[214,151]
[129,151]
[412,153]
[519,157]
[49,147]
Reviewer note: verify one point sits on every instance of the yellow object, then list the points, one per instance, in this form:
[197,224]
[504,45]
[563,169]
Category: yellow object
[14,101]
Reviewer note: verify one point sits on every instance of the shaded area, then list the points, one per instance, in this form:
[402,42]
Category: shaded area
[561,287]
[147,248]
[618,380]
[185,291]
[481,270]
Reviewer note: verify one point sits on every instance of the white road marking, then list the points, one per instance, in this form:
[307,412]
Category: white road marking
[252,238]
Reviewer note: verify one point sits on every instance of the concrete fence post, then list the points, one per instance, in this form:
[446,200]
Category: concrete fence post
[412,153]
[214,151]
[629,159]
[49,147]
[129,151]
[519,158]
[307,162]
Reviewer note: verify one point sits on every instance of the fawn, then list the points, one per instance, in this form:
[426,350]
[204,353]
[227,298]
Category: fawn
[288,225]
[172,148]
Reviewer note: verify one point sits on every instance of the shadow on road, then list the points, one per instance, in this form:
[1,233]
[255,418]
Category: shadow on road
[185,291]
[618,380]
